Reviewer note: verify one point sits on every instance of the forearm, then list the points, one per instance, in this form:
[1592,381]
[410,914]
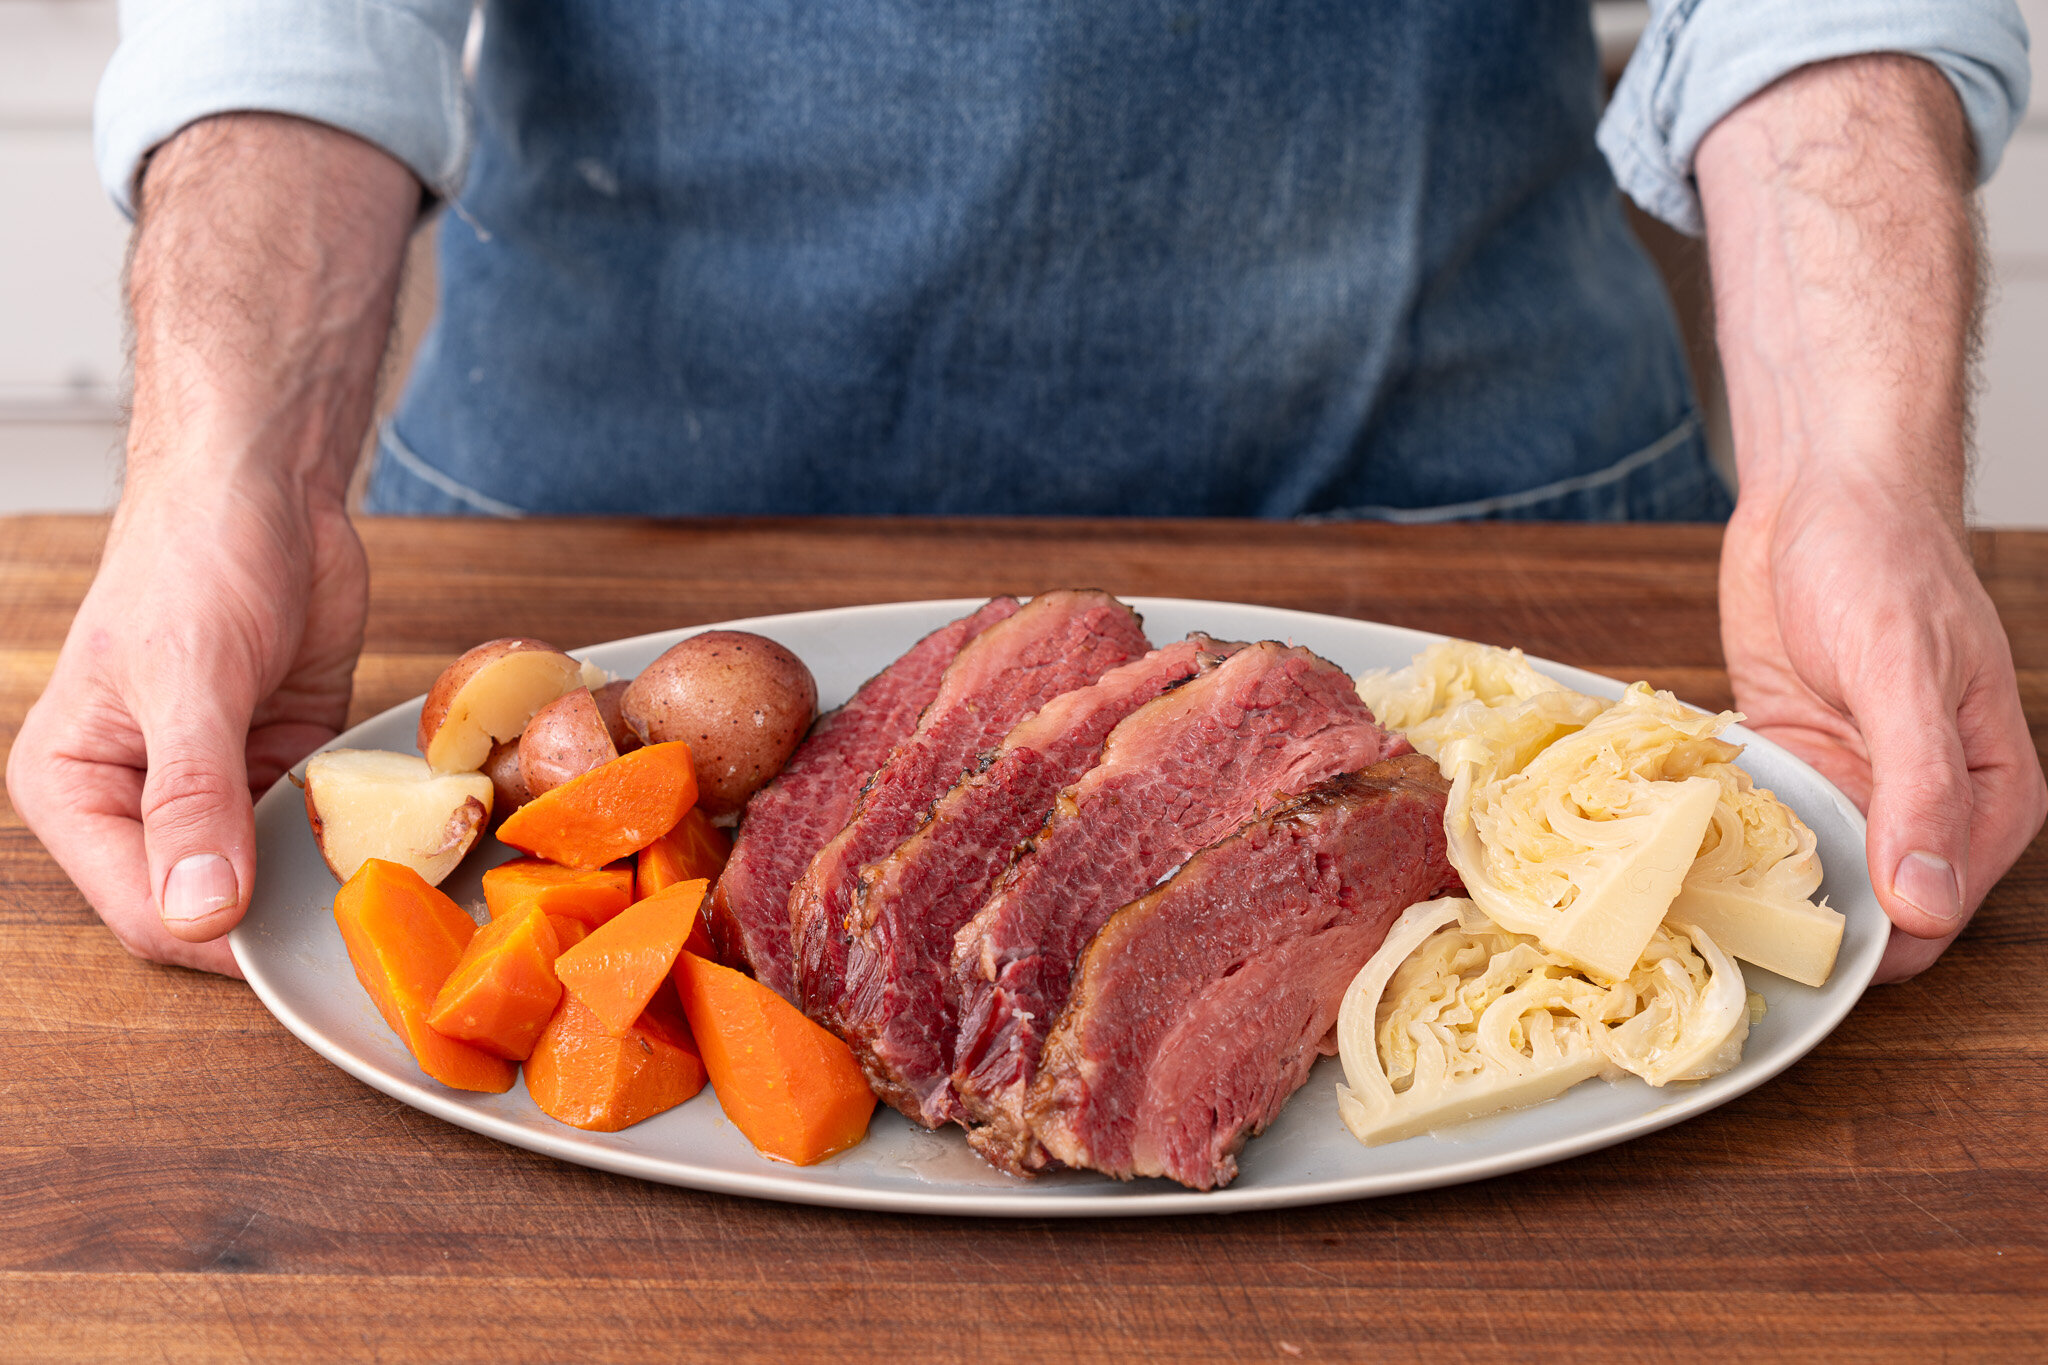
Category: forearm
[265,266]
[1844,261]
[1845,278]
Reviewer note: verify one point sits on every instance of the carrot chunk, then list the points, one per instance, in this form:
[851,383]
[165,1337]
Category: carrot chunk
[615,971]
[569,932]
[592,896]
[583,1076]
[615,809]
[791,1087]
[694,848]
[404,939]
[503,991]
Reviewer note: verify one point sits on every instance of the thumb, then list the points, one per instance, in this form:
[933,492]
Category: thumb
[1920,809]
[198,825]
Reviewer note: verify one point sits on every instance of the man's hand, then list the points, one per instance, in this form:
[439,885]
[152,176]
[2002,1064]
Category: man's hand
[219,638]
[1857,634]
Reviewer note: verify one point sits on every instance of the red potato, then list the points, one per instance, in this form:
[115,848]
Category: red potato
[508,788]
[608,705]
[487,696]
[565,739]
[740,701]
[366,803]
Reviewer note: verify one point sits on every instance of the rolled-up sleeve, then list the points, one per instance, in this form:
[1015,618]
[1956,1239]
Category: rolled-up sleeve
[389,71]
[1699,59]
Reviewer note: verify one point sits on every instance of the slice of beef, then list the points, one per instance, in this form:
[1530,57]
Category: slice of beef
[1060,641]
[895,1009]
[1199,1008]
[789,820]
[1175,776]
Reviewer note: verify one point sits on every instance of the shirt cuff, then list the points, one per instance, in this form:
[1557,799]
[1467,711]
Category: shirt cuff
[389,71]
[1699,59]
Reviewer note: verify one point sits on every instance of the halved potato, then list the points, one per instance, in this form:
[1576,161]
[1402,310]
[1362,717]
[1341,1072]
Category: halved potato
[488,695]
[367,803]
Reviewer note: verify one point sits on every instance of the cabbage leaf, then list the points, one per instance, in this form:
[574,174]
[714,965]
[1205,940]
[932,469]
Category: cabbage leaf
[1457,690]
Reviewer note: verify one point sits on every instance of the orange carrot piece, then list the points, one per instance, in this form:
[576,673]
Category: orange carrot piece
[615,809]
[564,892]
[568,932]
[615,971]
[503,991]
[791,1087]
[404,938]
[694,848]
[583,1076]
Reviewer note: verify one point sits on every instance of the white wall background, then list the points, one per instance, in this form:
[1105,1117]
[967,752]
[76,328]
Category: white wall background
[60,263]
[61,247]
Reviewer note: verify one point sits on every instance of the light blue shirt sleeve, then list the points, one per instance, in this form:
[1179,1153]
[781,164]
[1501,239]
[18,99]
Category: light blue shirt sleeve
[1699,59]
[389,71]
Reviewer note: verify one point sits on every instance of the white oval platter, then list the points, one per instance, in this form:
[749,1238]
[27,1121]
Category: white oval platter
[293,956]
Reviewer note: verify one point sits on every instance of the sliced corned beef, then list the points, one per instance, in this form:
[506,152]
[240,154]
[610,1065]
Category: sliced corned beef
[789,820]
[1060,641]
[895,1008]
[1176,775]
[1199,1008]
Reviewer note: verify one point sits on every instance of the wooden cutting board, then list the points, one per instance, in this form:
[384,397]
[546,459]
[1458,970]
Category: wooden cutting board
[184,1180]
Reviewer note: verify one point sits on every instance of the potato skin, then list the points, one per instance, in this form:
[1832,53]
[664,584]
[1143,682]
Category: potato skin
[608,699]
[502,767]
[740,701]
[565,739]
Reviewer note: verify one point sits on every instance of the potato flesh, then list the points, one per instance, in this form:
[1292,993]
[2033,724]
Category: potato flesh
[366,803]
[496,703]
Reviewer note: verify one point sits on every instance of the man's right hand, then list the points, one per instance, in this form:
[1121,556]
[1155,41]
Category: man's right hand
[219,638]
[215,648]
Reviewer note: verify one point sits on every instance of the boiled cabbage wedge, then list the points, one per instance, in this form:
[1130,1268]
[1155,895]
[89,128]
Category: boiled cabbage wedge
[1455,1017]
[1585,847]
[1569,819]
[1617,863]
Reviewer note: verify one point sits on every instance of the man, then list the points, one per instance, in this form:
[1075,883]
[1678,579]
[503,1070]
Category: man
[1334,259]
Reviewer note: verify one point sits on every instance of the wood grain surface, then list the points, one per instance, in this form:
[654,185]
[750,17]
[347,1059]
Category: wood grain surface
[183,1180]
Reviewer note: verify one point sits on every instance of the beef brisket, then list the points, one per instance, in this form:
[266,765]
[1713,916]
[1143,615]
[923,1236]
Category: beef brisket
[896,1009]
[1060,641]
[1176,775]
[790,819]
[1198,1009]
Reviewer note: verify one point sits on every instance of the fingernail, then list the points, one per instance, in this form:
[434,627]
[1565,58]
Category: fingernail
[1928,883]
[197,887]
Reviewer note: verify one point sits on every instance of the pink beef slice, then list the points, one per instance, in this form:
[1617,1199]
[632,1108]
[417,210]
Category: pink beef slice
[895,1009]
[1198,1009]
[790,819]
[1175,776]
[1060,641]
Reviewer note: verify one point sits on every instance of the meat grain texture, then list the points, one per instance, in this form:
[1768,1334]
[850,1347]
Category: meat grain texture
[1058,642]
[1199,1008]
[896,1009]
[1176,776]
[789,820]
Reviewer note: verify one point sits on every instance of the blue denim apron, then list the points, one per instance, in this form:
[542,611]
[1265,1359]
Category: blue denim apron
[1209,257]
